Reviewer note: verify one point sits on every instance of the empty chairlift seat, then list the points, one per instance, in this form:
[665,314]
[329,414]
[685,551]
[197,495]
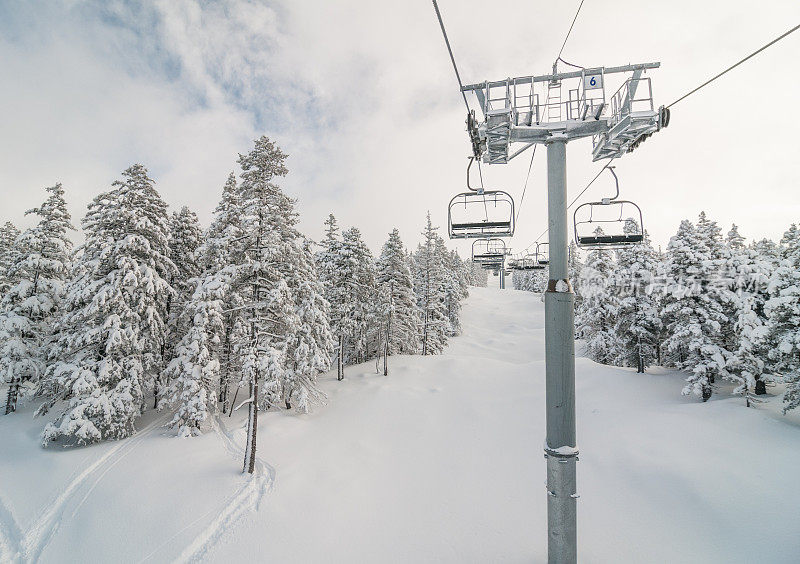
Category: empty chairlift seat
[608,224]
[476,215]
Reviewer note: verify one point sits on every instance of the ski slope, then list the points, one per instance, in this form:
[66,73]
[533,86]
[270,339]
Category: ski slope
[441,461]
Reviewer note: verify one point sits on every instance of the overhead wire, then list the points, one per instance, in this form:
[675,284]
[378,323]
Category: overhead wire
[730,68]
[460,88]
[575,199]
[450,51]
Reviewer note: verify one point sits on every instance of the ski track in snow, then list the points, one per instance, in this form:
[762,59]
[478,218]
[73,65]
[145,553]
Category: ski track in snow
[246,498]
[10,535]
[30,544]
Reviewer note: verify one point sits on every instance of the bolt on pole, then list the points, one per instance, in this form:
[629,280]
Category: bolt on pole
[560,446]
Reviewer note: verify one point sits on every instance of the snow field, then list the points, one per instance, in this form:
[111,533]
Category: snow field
[441,461]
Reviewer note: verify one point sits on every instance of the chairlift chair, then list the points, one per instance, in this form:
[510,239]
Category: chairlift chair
[488,251]
[543,253]
[622,218]
[480,213]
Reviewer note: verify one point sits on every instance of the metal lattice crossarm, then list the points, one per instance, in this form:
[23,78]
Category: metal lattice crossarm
[575,106]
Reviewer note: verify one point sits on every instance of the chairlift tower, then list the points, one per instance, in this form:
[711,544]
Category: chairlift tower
[513,114]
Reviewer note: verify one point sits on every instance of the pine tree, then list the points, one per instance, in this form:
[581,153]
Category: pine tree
[360,323]
[185,239]
[782,335]
[693,306]
[268,219]
[40,261]
[108,351]
[401,316]
[222,247]
[748,275]
[331,268]
[310,347]
[429,282]
[637,323]
[8,246]
[193,373]
[596,317]
[478,277]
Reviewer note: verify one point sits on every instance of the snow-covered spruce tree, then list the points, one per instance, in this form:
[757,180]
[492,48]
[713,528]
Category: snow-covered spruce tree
[748,275]
[360,323]
[693,306]
[330,268]
[401,319]
[429,286]
[287,341]
[222,247]
[637,322]
[185,239]
[455,288]
[109,348]
[8,245]
[574,266]
[596,318]
[311,345]
[39,264]
[192,375]
[782,335]
[477,276]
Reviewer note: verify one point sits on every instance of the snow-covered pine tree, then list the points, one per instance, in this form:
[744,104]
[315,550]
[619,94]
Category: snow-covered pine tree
[268,218]
[478,277]
[637,323]
[221,238]
[782,335]
[108,351]
[454,287]
[429,282]
[360,323]
[185,239]
[331,270]
[693,305]
[311,345]
[401,318]
[8,246]
[574,266]
[192,375]
[222,247]
[596,317]
[748,276]
[40,261]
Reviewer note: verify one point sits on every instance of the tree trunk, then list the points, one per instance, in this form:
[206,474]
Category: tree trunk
[706,393]
[252,428]
[761,387]
[11,398]
[340,359]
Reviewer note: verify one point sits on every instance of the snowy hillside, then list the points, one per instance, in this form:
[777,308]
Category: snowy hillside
[441,461]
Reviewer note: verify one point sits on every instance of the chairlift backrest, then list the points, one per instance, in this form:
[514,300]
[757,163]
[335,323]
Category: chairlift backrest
[480,213]
[609,223]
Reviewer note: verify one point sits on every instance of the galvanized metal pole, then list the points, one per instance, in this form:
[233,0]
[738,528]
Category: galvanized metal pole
[560,447]
[502,279]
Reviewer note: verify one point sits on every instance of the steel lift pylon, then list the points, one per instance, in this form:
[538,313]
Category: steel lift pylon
[512,113]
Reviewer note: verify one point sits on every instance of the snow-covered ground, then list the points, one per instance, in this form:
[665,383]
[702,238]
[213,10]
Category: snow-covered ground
[439,462]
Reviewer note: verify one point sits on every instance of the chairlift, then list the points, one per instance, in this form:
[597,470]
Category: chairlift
[543,253]
[495,207]
[488,251]
[622,219]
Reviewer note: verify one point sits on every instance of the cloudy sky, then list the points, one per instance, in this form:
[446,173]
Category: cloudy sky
[362,96]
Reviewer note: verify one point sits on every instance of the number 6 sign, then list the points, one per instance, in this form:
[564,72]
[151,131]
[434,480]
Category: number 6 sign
[592,81]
